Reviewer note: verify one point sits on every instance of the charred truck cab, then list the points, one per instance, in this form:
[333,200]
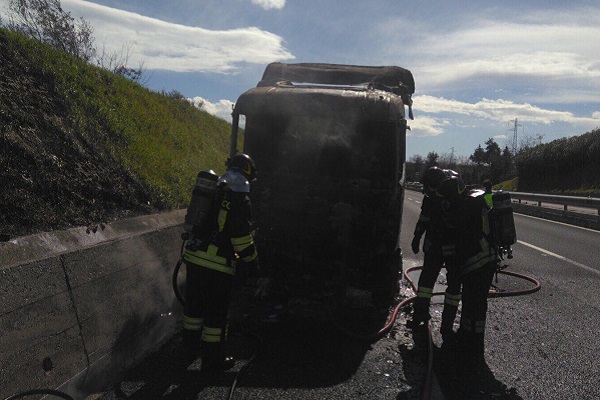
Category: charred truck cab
[329,144]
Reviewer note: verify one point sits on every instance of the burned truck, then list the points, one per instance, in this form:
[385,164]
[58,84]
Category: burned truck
[329,144]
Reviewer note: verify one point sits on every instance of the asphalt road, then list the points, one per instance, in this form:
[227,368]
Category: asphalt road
[303,353]
[539,346]
[545,345]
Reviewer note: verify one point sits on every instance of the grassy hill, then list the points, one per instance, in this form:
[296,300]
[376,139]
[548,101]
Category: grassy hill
[80,145]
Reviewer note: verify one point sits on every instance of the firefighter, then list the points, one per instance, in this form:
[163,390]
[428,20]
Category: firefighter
[211,265]
[487,184]
[439,252]
[476,263]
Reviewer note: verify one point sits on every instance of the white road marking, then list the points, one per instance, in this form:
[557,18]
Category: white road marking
[572,262]
[560,223]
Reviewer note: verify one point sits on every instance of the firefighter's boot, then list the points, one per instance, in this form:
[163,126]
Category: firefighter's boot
[420,314]
[447,324]
[448,317]
[192,336]
[471,345]
[213,358]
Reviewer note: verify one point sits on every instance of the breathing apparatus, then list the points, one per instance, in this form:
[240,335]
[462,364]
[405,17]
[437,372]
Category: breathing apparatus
[505,233]
[196,226]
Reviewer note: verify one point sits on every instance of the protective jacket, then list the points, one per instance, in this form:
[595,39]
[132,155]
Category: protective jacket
[210,266]
[429,220]
[439,252]
[471,220]
[477,261]
[231,236]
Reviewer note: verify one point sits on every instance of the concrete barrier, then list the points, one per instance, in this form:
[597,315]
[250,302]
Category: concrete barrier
[78,306]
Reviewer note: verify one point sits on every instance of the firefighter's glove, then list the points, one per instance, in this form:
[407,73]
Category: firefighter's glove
[264,287]
[415,244]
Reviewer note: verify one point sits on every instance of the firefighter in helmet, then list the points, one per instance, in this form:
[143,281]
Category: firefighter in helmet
[211,265]
[438,253]
[476,262]
[487,184]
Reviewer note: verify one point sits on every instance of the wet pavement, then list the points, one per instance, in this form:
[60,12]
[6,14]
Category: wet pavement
[312,348]
[306,349]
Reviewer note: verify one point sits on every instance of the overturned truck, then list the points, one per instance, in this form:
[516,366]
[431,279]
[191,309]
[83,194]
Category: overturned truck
[329,144]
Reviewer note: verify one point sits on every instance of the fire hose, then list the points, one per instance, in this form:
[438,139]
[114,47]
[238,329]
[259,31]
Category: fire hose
[428,380]
[427,383]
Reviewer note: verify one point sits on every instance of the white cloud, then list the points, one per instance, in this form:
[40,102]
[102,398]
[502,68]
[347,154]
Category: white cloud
[270,4]
[471,115]
[168,46]
[500,110]
[427,126]
[556,54]
[221,109]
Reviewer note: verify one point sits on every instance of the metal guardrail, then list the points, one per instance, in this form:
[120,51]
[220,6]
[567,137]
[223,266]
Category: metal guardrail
[573,217]
[565,201]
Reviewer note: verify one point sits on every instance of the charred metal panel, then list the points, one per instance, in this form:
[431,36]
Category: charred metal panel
[330,158]
[392,78]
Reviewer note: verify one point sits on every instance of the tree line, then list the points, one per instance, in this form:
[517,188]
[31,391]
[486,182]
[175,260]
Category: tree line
[489,162]
[568,165]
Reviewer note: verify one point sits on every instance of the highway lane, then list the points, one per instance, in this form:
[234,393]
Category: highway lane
[579,245]
[544,345]
[303,356]
[539,346]
[547,344]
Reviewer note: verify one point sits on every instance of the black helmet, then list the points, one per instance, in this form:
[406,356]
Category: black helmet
[487,184]
[244,164]
[432,177]
[451,172]
[450,188]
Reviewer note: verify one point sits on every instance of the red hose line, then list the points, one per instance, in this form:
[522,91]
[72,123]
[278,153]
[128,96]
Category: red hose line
[537,286]
[426,391]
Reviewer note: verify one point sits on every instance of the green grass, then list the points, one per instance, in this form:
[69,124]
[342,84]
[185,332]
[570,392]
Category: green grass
[511,185]
[164,141]
[91,145]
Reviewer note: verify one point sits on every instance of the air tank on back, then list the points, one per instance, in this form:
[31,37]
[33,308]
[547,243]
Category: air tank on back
[504,223]
[196,218]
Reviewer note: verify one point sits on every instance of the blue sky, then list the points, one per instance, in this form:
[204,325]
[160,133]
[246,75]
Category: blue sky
[478,65]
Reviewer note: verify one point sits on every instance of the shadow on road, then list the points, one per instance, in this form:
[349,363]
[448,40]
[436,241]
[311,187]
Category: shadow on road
[459,380]
[301,347]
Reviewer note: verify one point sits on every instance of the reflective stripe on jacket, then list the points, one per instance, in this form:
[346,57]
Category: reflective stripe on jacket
[487,254]
[232,237]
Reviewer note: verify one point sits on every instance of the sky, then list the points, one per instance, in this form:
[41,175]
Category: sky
[482,68]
